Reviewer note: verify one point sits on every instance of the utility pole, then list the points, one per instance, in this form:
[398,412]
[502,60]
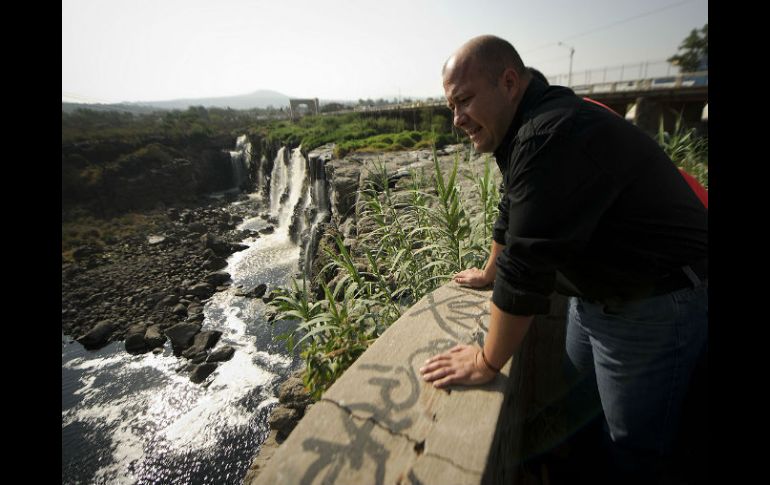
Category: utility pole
[571,55]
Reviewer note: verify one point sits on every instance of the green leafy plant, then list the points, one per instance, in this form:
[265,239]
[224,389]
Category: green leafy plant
[687,150]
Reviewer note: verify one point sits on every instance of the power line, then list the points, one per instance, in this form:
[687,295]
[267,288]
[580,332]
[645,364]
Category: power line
[613,24]
[628,19]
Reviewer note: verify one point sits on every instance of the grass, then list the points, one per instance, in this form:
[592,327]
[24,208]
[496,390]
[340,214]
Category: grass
[687,150]
[359,132]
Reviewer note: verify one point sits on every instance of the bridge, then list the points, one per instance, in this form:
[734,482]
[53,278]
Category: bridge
[641,100]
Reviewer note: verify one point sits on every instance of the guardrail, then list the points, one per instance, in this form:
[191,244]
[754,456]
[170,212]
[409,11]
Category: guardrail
[678,81]
[381,423]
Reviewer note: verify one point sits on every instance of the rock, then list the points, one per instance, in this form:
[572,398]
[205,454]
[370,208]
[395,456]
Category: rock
[83,252]
[267,230]
[256,292]
[284,419]
[180,310]
[202,371]
[182,335]
[292,393]
[153,338]
[98,336]
[196,227]
[217,278]
[236,247]
[202,342]
[221,354]
[154,240]
[135,344]
[198,358]
[202,290]
[215,263]
[195,318]
[194,309]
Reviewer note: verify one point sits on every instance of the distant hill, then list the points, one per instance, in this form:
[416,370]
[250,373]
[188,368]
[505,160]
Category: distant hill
[258,99]
[135,109]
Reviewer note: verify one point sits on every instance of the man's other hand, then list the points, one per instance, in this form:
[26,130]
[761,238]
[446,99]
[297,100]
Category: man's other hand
[473,277]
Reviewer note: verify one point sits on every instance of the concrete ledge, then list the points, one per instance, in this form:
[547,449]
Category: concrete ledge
[380,423]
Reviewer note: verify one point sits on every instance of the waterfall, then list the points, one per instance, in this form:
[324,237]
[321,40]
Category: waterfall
[279,180]
[299,201]
[240,160]
[297,174]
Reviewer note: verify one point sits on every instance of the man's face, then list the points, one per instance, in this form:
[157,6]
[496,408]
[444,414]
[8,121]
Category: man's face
[480,108]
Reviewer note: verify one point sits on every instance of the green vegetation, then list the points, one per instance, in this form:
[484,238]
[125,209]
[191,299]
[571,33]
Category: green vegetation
[688,150]
[194,123]
[420,238]
[362,132]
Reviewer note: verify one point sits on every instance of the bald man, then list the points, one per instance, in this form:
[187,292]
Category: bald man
[591,208]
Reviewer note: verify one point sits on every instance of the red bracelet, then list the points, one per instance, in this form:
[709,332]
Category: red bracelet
[489,366]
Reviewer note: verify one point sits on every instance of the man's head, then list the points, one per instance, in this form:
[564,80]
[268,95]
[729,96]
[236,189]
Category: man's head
[484,81]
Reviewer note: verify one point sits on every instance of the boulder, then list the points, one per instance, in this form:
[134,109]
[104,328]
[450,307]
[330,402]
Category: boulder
[217,278]
[202,342]
[202,371]
[256,292]
[153,338]
[292,393]
[221,354]
[284,419]
[202,290]
[98,336]
[180,310]
[135,343]
[182,335]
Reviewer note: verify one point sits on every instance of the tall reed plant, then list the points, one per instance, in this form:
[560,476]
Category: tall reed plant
[687,150]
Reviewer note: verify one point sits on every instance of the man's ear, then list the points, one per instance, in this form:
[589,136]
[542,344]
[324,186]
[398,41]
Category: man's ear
[511,81]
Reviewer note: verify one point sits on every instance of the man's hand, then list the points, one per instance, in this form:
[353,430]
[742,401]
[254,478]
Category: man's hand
[462,364]
[473,277]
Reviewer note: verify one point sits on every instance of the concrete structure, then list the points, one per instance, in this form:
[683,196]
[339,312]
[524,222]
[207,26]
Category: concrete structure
[295,104]
[381,423]
[641,101]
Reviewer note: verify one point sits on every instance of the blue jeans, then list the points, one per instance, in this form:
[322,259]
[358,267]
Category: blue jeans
[632,362]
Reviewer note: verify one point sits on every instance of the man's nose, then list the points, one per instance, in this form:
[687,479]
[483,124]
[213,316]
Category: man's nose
[459,117]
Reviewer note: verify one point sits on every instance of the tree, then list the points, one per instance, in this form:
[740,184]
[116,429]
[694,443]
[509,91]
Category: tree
[693,51]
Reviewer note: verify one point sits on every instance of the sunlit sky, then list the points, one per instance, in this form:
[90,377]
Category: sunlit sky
[151,50]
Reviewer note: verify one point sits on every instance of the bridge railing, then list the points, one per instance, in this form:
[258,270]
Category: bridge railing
[677,81]
[381,423]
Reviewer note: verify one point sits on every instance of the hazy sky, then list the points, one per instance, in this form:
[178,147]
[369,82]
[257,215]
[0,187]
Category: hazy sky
[149,50]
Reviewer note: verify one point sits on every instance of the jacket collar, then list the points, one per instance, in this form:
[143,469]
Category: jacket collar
[532,96]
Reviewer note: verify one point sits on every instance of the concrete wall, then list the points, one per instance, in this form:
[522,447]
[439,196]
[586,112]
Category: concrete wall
[380,423]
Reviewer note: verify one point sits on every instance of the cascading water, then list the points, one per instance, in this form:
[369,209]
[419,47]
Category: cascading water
[137,419]
[279,181]
[319,206]
[240,159]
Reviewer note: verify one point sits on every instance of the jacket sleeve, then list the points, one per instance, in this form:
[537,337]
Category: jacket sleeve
[501,224]
[553,202]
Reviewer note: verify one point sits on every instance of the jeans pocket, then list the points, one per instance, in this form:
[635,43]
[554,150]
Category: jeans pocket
[656,310]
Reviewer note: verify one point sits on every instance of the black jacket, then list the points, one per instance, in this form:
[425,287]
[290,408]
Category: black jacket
[591,206]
